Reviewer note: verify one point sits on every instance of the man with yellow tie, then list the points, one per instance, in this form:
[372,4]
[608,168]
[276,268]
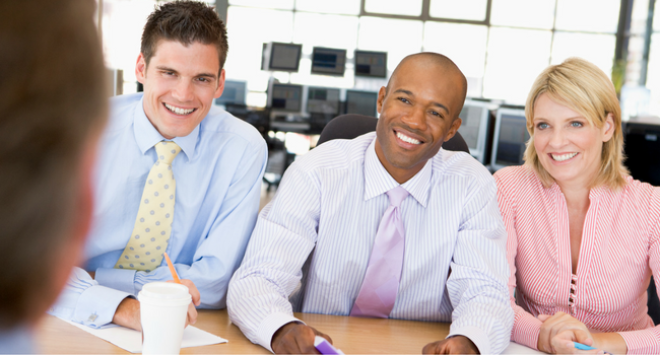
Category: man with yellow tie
[175,175]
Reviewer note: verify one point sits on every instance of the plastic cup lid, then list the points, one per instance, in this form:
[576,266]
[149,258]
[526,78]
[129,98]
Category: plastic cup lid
[165,291]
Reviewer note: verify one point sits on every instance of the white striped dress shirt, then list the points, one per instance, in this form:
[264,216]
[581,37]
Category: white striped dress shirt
[620,250]
[326,212]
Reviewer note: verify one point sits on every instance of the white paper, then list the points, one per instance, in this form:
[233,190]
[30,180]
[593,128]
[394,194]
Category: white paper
[131,340]
[515,348]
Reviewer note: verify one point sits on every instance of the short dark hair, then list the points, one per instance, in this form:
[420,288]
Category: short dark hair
[52,100]
[185,22]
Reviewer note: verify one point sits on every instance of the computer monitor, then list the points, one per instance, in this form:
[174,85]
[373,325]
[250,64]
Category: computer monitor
[281,56]
[509,138]
[477,128]
[373,64]
[234,93]
[285,97]
[642,141]
[328,61]
[322,101]
[361,102]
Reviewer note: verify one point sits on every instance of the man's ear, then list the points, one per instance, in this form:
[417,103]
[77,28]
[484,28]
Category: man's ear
[608,127]
[454,128]
[141,69]
[381,97]
[221,85]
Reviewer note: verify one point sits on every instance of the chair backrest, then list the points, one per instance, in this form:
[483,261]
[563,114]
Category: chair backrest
[352,125]
[653,303]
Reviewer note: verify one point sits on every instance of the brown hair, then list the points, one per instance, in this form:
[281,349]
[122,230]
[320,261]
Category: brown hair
[185,22]
[586,89]
[52,100]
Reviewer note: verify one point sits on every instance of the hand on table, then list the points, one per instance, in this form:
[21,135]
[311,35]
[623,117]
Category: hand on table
[454,345]
[296,338]
[558,332]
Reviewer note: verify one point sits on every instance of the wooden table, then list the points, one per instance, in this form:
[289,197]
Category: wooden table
[350,334]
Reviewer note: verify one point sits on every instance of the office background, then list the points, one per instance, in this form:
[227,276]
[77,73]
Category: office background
[501,45]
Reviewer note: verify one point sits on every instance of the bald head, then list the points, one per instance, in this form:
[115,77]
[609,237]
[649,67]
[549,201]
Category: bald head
[432,62]
[419,111]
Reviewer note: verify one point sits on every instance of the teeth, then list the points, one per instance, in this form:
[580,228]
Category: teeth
[563,156]
[407,139]
[179,111]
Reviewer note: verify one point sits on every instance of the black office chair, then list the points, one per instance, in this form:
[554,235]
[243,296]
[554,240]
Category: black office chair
[653,303]
[352,125]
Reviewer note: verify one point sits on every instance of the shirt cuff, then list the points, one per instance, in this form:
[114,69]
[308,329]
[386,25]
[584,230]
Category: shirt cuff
[118,279]
[642,341]
[270,325]
[476,335]
[97,306]
[526,329]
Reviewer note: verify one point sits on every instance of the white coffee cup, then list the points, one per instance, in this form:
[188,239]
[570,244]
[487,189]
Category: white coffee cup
[163,312]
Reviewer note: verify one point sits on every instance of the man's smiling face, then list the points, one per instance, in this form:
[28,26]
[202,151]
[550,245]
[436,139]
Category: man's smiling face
[418,113]
[180,84]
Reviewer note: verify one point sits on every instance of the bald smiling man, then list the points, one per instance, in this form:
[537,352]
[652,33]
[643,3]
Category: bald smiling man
[371,227]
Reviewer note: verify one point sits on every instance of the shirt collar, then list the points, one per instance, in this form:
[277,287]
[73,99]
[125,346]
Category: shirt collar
[378,181]
[147,136]
[595,193]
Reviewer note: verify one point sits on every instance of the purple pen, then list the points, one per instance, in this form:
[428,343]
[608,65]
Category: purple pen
[326,348]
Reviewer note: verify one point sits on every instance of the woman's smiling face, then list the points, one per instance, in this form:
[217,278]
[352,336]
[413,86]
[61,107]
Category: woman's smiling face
[568,145]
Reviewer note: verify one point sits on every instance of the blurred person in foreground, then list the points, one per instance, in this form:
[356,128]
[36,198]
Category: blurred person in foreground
[52,109]
[391,226]
[584,237]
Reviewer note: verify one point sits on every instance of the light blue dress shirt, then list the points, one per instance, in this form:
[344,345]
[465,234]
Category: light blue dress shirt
[328,208]
[218,185]
[17,340]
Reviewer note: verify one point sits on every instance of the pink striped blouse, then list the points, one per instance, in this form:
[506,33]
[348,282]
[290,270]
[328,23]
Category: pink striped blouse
[620,247]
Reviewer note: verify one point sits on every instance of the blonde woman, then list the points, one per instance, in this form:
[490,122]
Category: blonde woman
[583,236]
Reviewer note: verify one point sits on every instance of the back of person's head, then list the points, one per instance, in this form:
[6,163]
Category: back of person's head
[583,87]
[185,22]
[52,107]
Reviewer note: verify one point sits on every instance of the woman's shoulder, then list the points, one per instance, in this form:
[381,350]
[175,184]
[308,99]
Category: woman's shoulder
[637,203]
[516,177]
[642,193]
[518,185]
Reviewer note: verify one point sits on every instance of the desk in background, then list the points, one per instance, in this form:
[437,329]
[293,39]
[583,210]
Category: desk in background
[350,334]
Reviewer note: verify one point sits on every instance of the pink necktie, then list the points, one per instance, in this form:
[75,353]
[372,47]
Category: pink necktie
[381,281]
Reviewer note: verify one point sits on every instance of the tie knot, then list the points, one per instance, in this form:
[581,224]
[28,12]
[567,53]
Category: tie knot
[166,151]
[397,195]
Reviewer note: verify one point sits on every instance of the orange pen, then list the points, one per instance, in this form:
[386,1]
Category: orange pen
[175,276]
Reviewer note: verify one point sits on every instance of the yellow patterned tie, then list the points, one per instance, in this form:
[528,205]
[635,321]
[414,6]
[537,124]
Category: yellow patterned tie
[153,223]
